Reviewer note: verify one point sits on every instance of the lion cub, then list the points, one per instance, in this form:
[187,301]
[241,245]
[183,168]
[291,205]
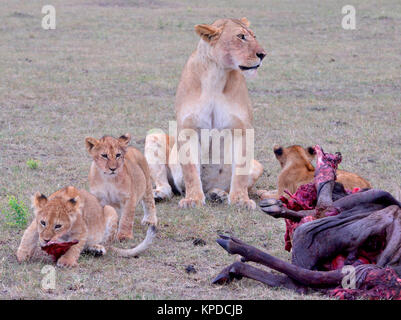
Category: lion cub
[69,214]
[74,214]
[119,177]
[296,170]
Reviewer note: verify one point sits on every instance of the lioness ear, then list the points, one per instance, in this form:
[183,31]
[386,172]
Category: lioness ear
[207,32]
[38,201]
[124,139]
[245,21]
[90,143]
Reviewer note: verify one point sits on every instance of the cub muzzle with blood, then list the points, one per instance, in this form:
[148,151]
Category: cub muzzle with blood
[57,249]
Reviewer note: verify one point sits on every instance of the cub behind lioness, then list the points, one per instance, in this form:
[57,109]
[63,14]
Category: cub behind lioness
[297,169]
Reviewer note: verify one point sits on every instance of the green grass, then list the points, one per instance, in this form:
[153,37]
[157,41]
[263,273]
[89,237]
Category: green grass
[16,213]
[32,164]
[112,67]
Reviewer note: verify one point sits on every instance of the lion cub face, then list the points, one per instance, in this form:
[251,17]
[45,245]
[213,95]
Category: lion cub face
[232,44]
[55,217]
[294,154]
[108,153]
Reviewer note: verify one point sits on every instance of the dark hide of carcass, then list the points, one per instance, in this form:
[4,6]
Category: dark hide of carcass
[329,228]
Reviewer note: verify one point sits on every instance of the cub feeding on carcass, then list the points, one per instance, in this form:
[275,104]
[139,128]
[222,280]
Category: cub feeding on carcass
[72,214]
[297,169]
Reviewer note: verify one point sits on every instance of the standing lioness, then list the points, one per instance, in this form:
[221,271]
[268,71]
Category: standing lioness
[212,94]
[119,177]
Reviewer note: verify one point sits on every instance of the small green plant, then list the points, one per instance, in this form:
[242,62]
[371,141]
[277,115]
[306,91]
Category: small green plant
[161,24]
[32,164]
[17,213]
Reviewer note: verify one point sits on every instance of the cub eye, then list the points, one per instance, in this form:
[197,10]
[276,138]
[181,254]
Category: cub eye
[57,226]
[43,223]
[241,36]
[118,155]
[104,155]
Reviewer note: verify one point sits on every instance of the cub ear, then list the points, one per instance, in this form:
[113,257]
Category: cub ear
[311,151]
[124,139]
[71,192]
[38,201]
[245,22]
[278,151]
[75,203]
[77,206]
[90,143]
[207,32]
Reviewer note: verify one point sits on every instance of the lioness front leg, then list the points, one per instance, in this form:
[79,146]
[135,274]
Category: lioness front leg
[127,220]
[28,243]
[194,195]
[241,172]
[190,159]
[239,192]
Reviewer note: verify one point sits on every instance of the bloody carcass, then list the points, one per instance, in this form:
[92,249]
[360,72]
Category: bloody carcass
[329,228]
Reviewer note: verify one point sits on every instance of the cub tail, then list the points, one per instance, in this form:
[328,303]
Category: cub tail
[150,235]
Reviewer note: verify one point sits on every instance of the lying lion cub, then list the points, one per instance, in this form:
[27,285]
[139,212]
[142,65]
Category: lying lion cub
[119,177]
[296,170]
[212,94]
[67,215]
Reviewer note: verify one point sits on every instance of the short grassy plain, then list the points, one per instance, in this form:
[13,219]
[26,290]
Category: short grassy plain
[112,67]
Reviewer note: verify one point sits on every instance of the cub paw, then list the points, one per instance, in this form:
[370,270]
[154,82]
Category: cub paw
[124,236]
[246,204]
[64,262]
[149,221]
[97,250]
[264,194]
[190,203]
[22,256]
[160,195]
[242,200]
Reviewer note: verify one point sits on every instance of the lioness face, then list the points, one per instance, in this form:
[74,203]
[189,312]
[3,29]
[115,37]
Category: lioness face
[108,153]
[55,217]
[233,44]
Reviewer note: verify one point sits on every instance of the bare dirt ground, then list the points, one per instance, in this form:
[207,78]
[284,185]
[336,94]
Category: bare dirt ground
[112,67]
